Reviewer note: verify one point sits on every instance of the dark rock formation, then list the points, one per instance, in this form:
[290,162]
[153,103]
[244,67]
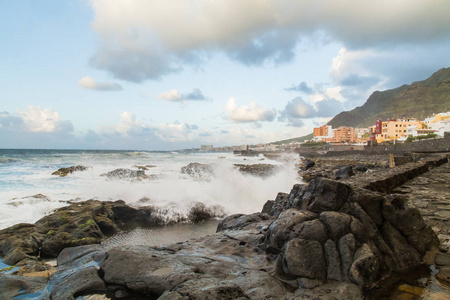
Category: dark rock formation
[352,239]
[126,174]
[62,172]
[198,171]
[80,223]
[199,212]
[307,164]
[262,170]
[344,173]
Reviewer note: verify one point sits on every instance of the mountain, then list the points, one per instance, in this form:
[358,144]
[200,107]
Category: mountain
[418,100]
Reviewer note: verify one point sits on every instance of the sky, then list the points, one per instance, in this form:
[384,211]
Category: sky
[177,74]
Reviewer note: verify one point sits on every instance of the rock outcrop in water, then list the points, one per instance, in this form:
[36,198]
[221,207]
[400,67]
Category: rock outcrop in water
[198,171]
[261,170]
[63,172]
[80,223]
[126,174]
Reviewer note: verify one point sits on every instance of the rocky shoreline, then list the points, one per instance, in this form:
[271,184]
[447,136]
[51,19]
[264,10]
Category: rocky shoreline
[336,237]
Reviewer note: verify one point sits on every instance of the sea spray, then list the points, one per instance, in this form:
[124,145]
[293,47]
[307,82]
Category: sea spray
[167,189]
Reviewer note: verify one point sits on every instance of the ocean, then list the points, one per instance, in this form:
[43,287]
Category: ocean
[28,190]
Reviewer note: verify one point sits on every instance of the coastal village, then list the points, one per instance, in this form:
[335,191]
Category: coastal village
[392,130]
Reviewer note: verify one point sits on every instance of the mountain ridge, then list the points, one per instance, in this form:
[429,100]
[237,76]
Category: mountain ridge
[418,100]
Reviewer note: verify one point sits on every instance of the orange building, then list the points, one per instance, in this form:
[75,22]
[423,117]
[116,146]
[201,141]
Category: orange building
[324,132]
[395,129]
[344,135]
[321,131]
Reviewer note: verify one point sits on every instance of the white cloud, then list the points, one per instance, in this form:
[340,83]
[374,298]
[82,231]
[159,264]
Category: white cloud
[244,113]
[132,129]
[91,84]
[176,96]
[37,119]
[174,132]
[35,127]
[172,95]
[147,39]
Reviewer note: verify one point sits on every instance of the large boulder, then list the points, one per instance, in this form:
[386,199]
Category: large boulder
[304,258]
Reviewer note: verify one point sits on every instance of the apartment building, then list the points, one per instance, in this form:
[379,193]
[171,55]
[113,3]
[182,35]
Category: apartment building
[394,129]
[343,134]
[323,133]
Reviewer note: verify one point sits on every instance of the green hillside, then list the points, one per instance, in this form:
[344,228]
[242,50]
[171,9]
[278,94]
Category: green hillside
[418,100]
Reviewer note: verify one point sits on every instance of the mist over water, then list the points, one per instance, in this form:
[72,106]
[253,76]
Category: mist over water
[26,173]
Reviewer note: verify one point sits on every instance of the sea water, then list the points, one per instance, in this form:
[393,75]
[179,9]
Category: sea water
[28,190]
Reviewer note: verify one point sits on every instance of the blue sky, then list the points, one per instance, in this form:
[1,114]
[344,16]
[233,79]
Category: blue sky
[159,75]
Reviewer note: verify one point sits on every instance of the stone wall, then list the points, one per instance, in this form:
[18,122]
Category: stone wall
[424,146]
[431,145]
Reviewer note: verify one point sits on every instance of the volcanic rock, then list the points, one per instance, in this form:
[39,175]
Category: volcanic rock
[198,171]
[62,172]
[261,170]
[126,174]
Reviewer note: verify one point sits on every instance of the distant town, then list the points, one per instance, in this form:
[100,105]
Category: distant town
[382,132]
[392,130]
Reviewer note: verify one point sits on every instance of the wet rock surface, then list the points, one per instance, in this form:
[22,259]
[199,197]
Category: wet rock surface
[127,174]
[198,171]
[62,172]
[261,170]
[341,167]
[79,223]
[326,239]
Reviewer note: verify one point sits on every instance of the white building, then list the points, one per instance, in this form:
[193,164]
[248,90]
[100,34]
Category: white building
[439,122]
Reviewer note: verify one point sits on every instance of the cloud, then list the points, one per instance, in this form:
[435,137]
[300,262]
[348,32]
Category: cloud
[329,108]
[129,128]
[35,127]
[298,109]
[301,87]
[90,84]
[245,114]
[174,132]
[176,96]
[142,40]
[360,72]
[37,119]
[10,122]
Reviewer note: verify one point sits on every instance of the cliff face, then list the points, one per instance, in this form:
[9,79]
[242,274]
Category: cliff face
[418,100]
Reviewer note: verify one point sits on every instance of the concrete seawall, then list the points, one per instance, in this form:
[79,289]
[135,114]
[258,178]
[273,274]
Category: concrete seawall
[424,146]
